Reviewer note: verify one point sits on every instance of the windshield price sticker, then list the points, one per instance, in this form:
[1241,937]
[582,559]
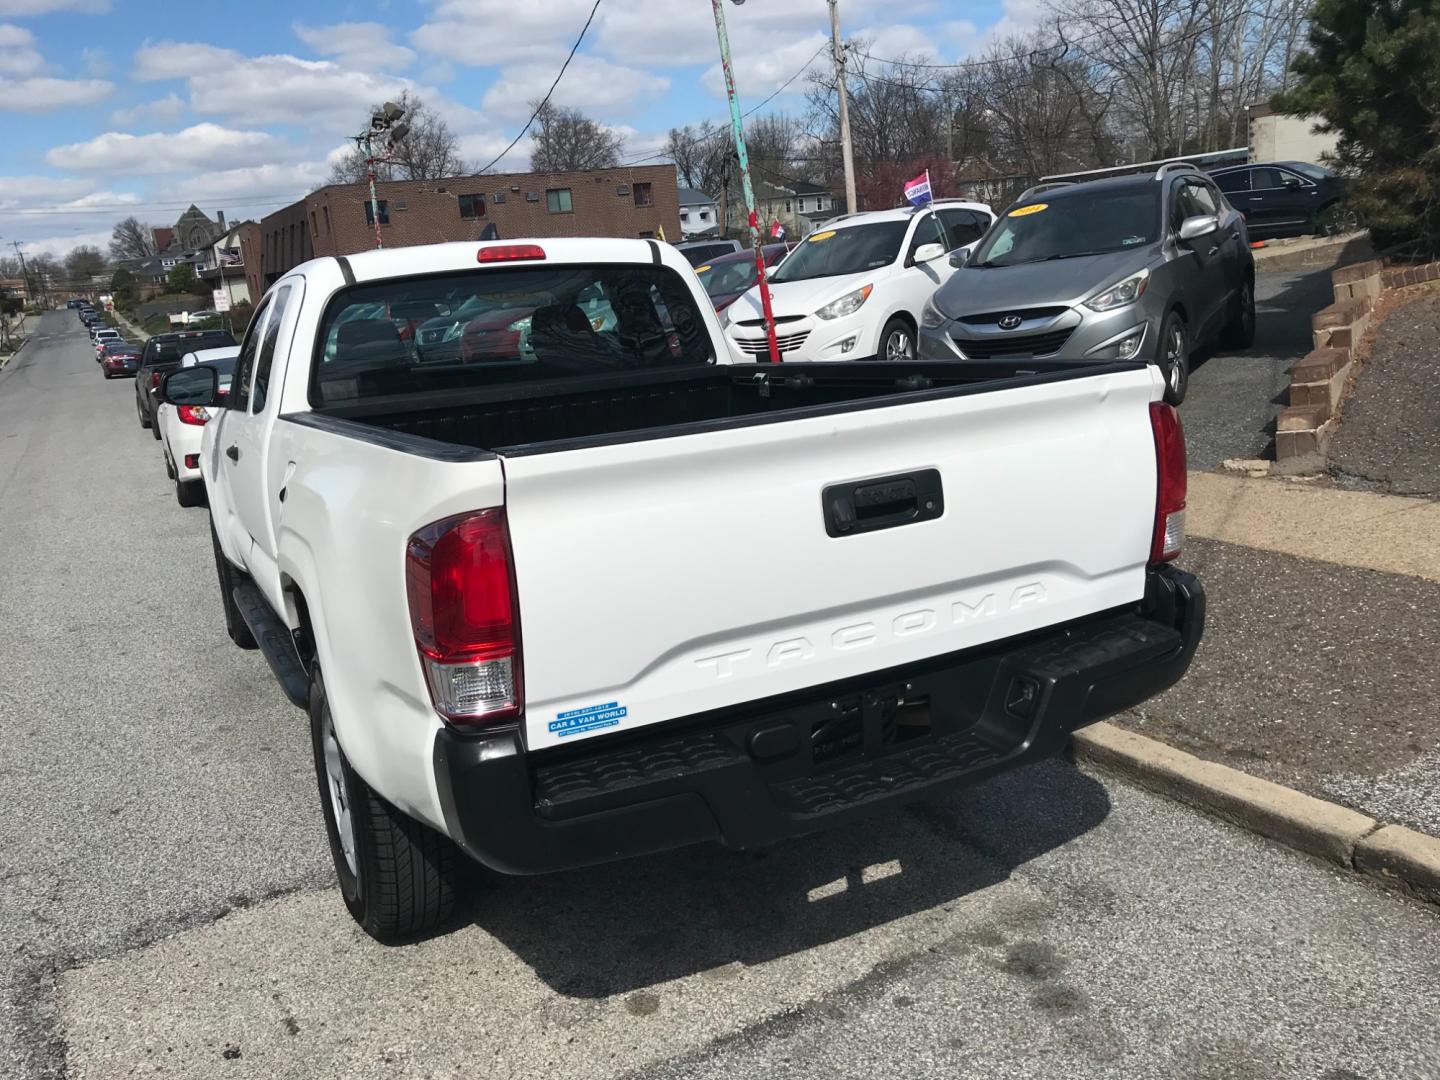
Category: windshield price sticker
[1026,211]
[817,237]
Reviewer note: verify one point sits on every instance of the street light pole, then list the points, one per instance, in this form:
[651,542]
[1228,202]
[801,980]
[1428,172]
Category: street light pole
[847,152]
[374,202]
[738,128]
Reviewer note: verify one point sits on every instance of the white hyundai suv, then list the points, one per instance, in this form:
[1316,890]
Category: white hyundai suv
[855,288]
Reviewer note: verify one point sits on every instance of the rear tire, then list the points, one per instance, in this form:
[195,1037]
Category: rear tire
[154,431]
[399,879]
[1239,332]
[897,341]
[228,575]
[1175,357]
[144,421]
[190,493]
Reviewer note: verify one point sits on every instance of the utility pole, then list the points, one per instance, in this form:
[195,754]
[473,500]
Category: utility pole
[847,152]
[25,273]
[743,157]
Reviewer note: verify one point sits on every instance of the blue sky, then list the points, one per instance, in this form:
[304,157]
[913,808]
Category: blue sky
[112,107]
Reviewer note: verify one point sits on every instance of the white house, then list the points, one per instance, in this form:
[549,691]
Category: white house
[221,265]
[698,213]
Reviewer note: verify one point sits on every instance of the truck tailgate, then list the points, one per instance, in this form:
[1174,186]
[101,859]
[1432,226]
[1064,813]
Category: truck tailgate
[665,577]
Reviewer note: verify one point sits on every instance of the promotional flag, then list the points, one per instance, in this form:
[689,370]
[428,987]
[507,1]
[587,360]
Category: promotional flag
[660,233]
[917,191]
[777,230]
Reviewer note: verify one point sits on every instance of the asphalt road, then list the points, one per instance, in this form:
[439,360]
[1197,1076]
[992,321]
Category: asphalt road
[166,906]
[1234,398]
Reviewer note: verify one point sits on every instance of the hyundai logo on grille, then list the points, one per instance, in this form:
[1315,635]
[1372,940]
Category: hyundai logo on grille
[1010,322]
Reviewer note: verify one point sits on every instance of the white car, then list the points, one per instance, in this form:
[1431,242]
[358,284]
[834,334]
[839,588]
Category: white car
[855,288]
[182,427]
[101,336]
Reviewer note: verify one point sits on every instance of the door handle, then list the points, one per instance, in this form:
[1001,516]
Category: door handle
[232,452]
[1214,248]
[882,503]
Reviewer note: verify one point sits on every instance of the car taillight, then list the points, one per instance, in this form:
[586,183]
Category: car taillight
[193,414]
[1170,479]
[154,380]
[460,580]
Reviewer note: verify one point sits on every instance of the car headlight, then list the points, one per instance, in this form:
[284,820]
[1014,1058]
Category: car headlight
[931,317]
[847,304]
[1121,293]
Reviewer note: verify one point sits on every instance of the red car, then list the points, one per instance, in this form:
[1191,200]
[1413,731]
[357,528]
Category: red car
[729,277]
[119,358]
[495,335]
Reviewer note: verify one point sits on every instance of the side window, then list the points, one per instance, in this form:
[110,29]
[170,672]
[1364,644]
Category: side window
[266,354]
[963,226]
[1261,179]
[1230,182]
[245,363]
[927,232]
[1200,199]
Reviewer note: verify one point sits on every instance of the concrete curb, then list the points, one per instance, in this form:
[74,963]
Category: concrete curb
[1396,857]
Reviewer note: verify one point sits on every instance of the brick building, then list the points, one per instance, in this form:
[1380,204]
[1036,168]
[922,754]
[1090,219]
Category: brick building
[638,201]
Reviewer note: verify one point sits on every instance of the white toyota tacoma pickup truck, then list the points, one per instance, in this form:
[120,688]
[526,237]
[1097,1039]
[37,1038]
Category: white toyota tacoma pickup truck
[567,585]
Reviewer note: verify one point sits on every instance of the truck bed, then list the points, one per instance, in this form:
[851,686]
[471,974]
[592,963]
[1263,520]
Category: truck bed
[528,418]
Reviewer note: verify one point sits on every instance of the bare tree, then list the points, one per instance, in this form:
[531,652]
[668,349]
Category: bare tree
[429,150]
[131,239]
[567,140]
[84,262]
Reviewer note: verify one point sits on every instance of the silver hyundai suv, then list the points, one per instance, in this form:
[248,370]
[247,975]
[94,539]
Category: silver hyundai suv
[1149,266]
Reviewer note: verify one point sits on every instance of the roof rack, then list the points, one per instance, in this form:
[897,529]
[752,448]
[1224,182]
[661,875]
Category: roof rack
[1038,188]
[1182,165]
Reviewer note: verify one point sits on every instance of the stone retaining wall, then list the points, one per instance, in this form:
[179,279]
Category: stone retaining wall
[1318,379]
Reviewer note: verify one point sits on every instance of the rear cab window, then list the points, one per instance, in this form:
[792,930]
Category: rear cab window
[495,327]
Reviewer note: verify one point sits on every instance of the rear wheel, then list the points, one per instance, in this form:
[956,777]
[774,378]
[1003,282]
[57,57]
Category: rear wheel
[190,492]
[1175,358]
[234,623]
[897,341]
[1239,332]
[400,879]
[144,420]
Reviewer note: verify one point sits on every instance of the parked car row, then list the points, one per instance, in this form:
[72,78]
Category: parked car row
[1152,266]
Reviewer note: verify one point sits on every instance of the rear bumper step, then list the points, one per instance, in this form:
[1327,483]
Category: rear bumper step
[275,641]
[788,766]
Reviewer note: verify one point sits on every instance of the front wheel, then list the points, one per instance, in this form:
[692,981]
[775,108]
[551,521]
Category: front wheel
[1338,218]
[1175,358]
[897,341]
[400,879]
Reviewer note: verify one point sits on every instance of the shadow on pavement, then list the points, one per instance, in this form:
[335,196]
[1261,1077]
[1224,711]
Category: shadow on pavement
[621,927]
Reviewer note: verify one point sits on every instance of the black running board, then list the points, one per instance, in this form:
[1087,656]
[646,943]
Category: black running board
[275,641]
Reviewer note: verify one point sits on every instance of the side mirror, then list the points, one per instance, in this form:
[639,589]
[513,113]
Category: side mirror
[199,385]
[928,252]
[1193,228]
[960,257]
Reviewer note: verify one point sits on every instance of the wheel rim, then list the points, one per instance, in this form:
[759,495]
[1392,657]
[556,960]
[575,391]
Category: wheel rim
[335,785]
[897,346]
[1175,358]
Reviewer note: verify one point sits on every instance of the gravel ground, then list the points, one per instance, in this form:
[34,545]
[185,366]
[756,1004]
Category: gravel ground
[167,908]
[1389,436]
[1230,409]
[1314,675]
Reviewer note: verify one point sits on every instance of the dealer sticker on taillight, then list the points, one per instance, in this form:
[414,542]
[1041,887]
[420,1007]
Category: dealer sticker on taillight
[590,718]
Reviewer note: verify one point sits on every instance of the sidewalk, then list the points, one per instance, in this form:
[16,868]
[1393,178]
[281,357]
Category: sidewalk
[1320,666]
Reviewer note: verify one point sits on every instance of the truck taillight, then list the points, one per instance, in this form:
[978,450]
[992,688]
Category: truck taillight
[1170,480]
[154,380]
[461,585]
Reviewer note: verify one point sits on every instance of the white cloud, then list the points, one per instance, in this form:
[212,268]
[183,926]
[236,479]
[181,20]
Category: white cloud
[97,64]
[477,32]
[760,72]
[45,7]
[60,246]
[899,40]
[162,111]
[357,44]
[18,55]
[282,182]
[201,146]
[179,60]
[590,84]
[44,94]
[1017,18]
[17,192]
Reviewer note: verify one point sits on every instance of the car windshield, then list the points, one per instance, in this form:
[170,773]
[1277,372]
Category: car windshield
[1083,223]
[1314,172]
[526,324]
[721,279]
[851,250]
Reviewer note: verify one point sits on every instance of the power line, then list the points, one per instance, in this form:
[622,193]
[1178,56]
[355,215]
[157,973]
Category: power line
[546,100]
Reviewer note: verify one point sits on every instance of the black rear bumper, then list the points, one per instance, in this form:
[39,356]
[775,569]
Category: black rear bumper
[787,766]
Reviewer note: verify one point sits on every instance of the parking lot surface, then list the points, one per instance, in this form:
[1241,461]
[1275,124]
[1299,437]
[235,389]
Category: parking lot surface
[167,908]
